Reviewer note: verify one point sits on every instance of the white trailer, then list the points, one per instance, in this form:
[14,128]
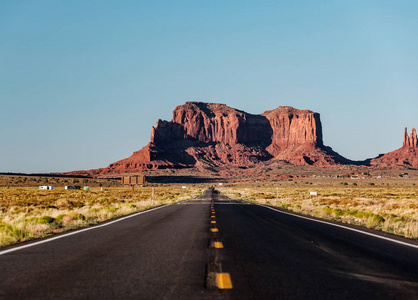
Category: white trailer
[46,187]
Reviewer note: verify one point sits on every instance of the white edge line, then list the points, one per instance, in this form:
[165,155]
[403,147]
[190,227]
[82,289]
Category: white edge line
[79,231]
[342,226]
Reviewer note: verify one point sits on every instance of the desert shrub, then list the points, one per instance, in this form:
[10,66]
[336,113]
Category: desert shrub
[46,220]
[338,212]
[374,221]
[362,214]
[379,219]
[112,209]
[327,210]
[59,219]
[76,204]
[77,216]
[9,232]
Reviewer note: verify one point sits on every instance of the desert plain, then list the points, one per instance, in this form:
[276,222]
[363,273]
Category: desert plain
[383,200]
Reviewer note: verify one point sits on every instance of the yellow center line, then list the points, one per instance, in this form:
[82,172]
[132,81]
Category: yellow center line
[212,216]
[223,281]
[214,229]
[213,222]
[218,245]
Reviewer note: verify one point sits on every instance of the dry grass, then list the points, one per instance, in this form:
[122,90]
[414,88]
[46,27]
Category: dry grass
[35,181]
[392,209]
[389,205]
[27,213]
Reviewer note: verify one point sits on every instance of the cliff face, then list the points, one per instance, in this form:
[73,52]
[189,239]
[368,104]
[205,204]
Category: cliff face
[406,156]
[205,135]
[218,123]
[292,127]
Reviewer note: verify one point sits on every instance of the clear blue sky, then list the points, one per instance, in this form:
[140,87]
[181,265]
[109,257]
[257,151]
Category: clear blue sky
[83,82]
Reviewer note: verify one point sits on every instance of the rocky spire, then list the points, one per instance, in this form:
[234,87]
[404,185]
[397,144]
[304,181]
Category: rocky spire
[414,141]
[410,141]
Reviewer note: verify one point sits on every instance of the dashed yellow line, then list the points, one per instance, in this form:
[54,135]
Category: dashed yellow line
[212,216]
[214,229]
[223,281]
[218,245]
[213,222]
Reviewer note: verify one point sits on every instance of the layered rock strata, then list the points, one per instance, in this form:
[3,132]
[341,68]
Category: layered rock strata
[205,135]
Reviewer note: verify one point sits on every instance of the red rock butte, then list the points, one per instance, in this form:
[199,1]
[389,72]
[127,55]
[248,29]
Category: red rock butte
[406,156]
[206,135]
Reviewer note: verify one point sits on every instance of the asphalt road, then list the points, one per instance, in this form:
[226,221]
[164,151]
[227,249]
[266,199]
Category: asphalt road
[211,248]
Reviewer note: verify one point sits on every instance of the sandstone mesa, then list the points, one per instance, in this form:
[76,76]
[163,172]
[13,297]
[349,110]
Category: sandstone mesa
[207,135]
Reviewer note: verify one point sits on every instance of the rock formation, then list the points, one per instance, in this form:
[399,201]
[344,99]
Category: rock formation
[406,156]
[205,135]
[209,135]
[410,141]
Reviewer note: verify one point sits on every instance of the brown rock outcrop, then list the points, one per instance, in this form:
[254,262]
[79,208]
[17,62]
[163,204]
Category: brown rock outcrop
[292,128]
[205,135]
[218,123]
[410,141]
[406,156]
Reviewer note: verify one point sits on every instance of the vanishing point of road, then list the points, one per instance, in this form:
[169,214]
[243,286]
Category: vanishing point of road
[212,247]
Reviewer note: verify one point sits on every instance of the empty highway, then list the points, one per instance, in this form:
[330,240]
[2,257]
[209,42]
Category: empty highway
[212,248]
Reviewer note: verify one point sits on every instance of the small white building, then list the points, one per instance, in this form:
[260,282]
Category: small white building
[46,187]
[73,187]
